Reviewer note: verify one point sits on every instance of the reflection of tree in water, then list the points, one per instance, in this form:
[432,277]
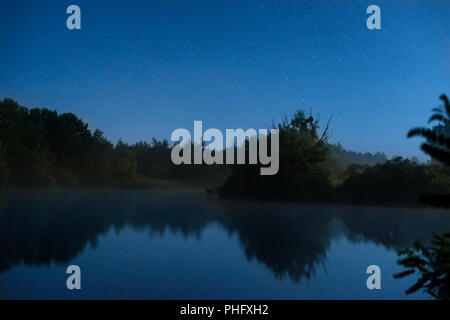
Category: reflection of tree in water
[288,240]
[38,227]
[398,228]
[185,214]
[393,228]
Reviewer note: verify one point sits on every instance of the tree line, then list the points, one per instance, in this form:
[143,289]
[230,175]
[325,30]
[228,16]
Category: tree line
[313,170]
[41,148]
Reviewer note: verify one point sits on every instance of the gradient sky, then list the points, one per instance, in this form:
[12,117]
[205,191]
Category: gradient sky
[140,69]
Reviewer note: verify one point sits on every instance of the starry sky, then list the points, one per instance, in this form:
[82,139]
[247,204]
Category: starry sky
[140,69]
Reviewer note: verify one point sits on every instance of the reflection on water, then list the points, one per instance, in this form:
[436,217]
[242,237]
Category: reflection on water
[290,250]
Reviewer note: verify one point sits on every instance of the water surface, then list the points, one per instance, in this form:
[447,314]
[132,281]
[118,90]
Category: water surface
[187,245]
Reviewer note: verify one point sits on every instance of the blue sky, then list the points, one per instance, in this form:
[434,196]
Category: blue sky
[140,69]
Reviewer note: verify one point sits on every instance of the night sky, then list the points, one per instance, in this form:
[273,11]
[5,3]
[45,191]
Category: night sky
[140,69]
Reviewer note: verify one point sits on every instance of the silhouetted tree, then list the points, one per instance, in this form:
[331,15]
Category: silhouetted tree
[432,263]
[438,142]
[302,172]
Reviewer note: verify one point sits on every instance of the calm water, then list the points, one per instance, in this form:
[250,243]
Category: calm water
[186,245]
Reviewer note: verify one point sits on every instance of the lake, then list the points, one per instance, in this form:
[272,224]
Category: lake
[185,244]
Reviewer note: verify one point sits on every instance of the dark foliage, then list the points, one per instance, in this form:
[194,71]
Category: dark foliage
[438,142]
[313,170]
[302,173]
[397,181]
[39,148]
[432,263]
